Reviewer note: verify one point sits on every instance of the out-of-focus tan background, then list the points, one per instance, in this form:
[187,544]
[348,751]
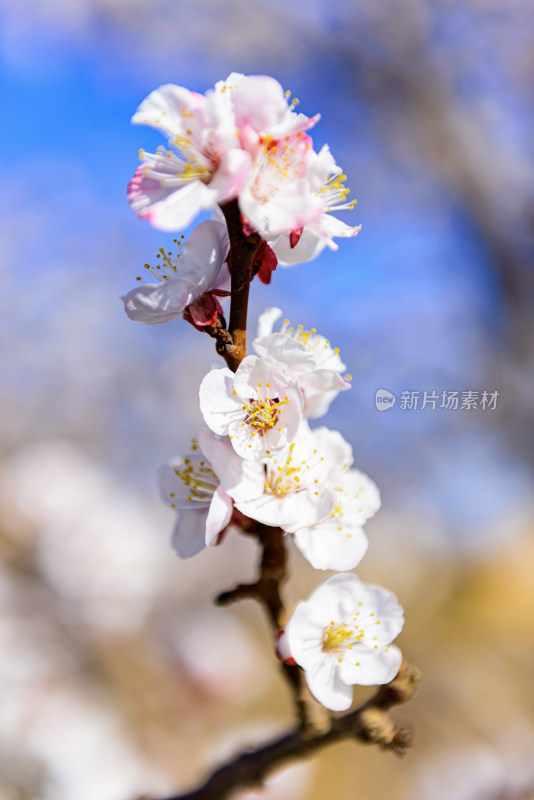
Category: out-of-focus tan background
[117,674]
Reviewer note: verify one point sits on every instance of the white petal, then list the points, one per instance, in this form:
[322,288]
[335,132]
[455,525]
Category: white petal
[326,547]
[292,354]
[326,685]
[319,388]
[179,208]
[173,489]
[241,479]
[387,611]
[152,303]
[219,514]
[266,321]
[326,604]
[310,244]
[162,109]
[218,404]
[371,668]
[204,253]
[189,535]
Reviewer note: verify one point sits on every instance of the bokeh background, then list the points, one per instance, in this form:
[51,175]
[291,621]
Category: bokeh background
[118,676]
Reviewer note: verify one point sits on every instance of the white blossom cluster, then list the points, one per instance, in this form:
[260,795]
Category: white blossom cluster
[257,455]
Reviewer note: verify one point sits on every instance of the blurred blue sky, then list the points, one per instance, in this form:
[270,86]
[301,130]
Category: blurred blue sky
[430,116]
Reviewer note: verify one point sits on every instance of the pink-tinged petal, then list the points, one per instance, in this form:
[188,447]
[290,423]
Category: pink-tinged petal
[205,310]
[231,174]
[218,404]
[293,124]
[371,668]
[144,190]
[291,205]
[319,388]
[219,515]
[159,302]
[258,101]
[171,109]
[326,685]
[326,547]
[189,535]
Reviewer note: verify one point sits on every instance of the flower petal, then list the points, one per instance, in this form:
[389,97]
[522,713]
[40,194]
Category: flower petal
[189,535]
[327,547]
[371,668]
[219,515]
[151,303]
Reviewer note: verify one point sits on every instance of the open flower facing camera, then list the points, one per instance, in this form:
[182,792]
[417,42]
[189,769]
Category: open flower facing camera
[257,466]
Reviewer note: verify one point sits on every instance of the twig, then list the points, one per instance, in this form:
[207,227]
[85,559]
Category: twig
[370,723]
[267,591]
[242,251]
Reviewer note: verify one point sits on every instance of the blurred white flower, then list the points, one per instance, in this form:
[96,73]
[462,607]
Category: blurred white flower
[189,485]
[95,540]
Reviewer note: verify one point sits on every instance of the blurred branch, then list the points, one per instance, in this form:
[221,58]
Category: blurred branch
[370,723]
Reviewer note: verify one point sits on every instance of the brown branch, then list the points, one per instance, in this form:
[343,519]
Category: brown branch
[242,251]
[370,723]
[267,591]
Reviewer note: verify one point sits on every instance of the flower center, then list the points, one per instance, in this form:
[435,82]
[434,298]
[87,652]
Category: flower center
[167,266]
[340,637]
[312,340]
[335,194]
[199,478]
[262,415]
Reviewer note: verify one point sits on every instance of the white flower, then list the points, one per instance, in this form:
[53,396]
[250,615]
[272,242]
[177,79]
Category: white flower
[258,407]
[306,357]
[213,140]
[291,489]
[342,636]
[278,196]
[306,241]
[193,280]
[203,164]
[189,485]
[338,541]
